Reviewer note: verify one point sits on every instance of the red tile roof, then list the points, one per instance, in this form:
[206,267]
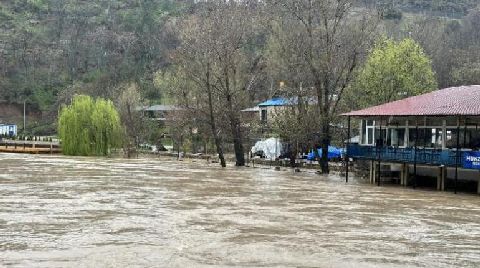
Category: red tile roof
[464,100]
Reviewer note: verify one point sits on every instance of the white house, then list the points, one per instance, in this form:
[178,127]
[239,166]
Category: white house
[8,130]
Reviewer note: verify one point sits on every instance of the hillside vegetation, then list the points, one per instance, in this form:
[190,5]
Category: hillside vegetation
[51,50]
[448,8]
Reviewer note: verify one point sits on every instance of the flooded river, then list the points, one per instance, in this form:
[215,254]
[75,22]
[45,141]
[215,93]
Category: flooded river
[85,212]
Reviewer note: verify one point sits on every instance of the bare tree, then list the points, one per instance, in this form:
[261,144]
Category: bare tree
[296,123]
[194,60]
[214,54]
[325,39]
[129,103]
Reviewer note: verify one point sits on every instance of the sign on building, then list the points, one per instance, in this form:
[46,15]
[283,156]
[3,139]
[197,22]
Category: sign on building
[471,160]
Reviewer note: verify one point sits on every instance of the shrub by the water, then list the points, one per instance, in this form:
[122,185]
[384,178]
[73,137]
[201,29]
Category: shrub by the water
[89,127]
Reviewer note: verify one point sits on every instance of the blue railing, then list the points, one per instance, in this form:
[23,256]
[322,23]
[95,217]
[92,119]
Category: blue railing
[405,155]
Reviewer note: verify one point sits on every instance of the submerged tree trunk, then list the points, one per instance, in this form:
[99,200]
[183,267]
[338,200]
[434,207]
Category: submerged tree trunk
[216,137]
[131,144]
[218,144]
[213,125]
[237,141]
[234,118]
[293,155]
[325,138]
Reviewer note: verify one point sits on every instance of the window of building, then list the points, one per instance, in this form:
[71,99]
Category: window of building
[469,139]
[369,132]
[474,138]
[396,137]
[380,137]
[437,138]
[451,140]
[263,115]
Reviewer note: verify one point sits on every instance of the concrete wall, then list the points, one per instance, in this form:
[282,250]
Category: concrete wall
[271,112]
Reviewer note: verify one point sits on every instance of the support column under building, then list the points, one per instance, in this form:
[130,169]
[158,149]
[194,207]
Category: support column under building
[478,185]
[404,174]
[439,178]
[372,172]
[379,173]
[444,178]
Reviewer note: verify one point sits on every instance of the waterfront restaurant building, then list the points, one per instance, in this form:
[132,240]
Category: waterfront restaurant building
[431,135]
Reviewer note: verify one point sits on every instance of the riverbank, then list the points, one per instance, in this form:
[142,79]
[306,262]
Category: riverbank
[335,167]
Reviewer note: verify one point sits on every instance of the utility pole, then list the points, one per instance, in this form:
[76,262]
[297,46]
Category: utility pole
[24,117]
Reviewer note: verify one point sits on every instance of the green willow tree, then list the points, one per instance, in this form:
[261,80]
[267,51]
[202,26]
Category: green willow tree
[394,70]
[89,127]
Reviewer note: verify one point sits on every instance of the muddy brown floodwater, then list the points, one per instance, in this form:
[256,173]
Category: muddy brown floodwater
[86,212]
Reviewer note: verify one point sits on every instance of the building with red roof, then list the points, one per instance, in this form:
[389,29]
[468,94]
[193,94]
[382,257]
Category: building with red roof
[454,101]
[436,129]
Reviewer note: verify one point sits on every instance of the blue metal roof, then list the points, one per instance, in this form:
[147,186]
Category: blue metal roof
[274,102]
[283,101]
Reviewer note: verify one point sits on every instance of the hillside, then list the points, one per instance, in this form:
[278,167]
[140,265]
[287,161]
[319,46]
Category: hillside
[447,8]
[52,49]
[47,46]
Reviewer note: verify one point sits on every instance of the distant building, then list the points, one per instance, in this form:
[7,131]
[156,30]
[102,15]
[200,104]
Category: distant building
[267,109]
[159,112]
[8,130]
[250,115]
